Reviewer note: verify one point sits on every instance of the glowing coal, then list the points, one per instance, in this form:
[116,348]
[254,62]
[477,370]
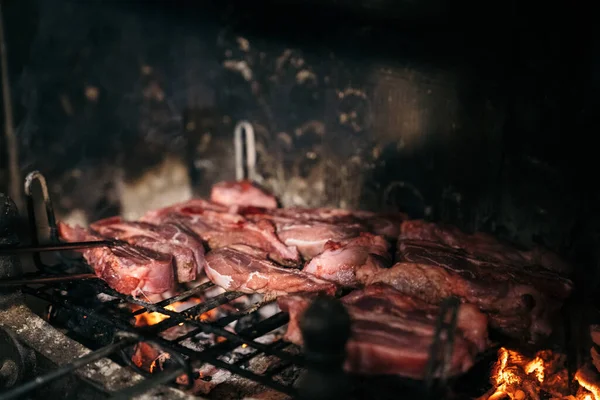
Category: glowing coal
[544,376]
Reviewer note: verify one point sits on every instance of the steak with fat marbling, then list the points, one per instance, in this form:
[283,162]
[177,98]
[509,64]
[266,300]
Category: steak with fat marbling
[128,269]
[392,333]
[221,228]
[242,268]
[520,301]
[481,245]
[169,238]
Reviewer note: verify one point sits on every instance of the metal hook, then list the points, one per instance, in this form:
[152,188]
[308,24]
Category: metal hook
[238,142]
[31,177]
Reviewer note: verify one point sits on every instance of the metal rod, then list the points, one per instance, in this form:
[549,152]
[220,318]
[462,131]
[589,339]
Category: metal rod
[45,279]
[57,247]
[12,143]
[21,390]
[205,356]
[142,387]
[182,296]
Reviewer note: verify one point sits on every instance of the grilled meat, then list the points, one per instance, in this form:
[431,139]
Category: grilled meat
[520,301]
[481,245]
[392,333]
[128,269]
[386,225]
[338,262]
[169,238]
[220,228]
[242,268]
[310,237]
[243,193]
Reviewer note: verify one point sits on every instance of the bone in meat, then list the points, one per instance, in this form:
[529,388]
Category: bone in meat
[339,262]
[235,268]
[310,237]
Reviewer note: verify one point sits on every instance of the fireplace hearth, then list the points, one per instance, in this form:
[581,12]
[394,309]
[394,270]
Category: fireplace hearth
[413,111]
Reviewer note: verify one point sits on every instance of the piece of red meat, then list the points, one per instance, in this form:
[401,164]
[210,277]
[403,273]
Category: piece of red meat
[241,268]
[241,193]
[339,262]
[310,237]
[481,245]
[386,225]
[392,333]
[128,269]
[169,238]
[520,301]
[220,228]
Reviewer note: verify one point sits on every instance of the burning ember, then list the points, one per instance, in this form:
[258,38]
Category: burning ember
[517,377]
[151,359]
[153,318]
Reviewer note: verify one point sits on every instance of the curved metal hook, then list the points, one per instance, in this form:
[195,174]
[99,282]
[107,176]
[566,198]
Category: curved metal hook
[29,180]
[250,142]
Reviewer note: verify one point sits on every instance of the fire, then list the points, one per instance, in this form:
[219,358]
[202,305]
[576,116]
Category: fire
[536,366]
[153,318]
[518,377]
[510,368]
[585,377]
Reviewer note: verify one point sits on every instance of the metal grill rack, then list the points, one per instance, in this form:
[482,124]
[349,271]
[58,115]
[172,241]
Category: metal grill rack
[71,288]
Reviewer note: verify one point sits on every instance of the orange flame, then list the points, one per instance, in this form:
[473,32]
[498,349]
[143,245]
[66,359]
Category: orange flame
[507,374]
[518,377]
[536,366]
[589,386]
[153,318]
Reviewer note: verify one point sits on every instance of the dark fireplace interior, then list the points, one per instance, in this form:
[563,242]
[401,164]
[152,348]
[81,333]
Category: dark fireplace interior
[475,115]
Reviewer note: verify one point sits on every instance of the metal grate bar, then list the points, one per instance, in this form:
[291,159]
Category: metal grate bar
[211,304]
[221,322]
[209,354]
[21,390]
[182,296]
[276,345]
[111,313]
[277,369]
[256,331]
[205,327]
[160,378]
[206,355]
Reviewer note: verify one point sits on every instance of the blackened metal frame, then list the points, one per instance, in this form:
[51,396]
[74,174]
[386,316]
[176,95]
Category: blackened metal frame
[54,289]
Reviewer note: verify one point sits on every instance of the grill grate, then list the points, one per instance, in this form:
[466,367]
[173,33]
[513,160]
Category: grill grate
[115,315]
[112,315]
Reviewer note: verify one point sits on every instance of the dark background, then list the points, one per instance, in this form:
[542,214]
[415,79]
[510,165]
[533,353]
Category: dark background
[482,111]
